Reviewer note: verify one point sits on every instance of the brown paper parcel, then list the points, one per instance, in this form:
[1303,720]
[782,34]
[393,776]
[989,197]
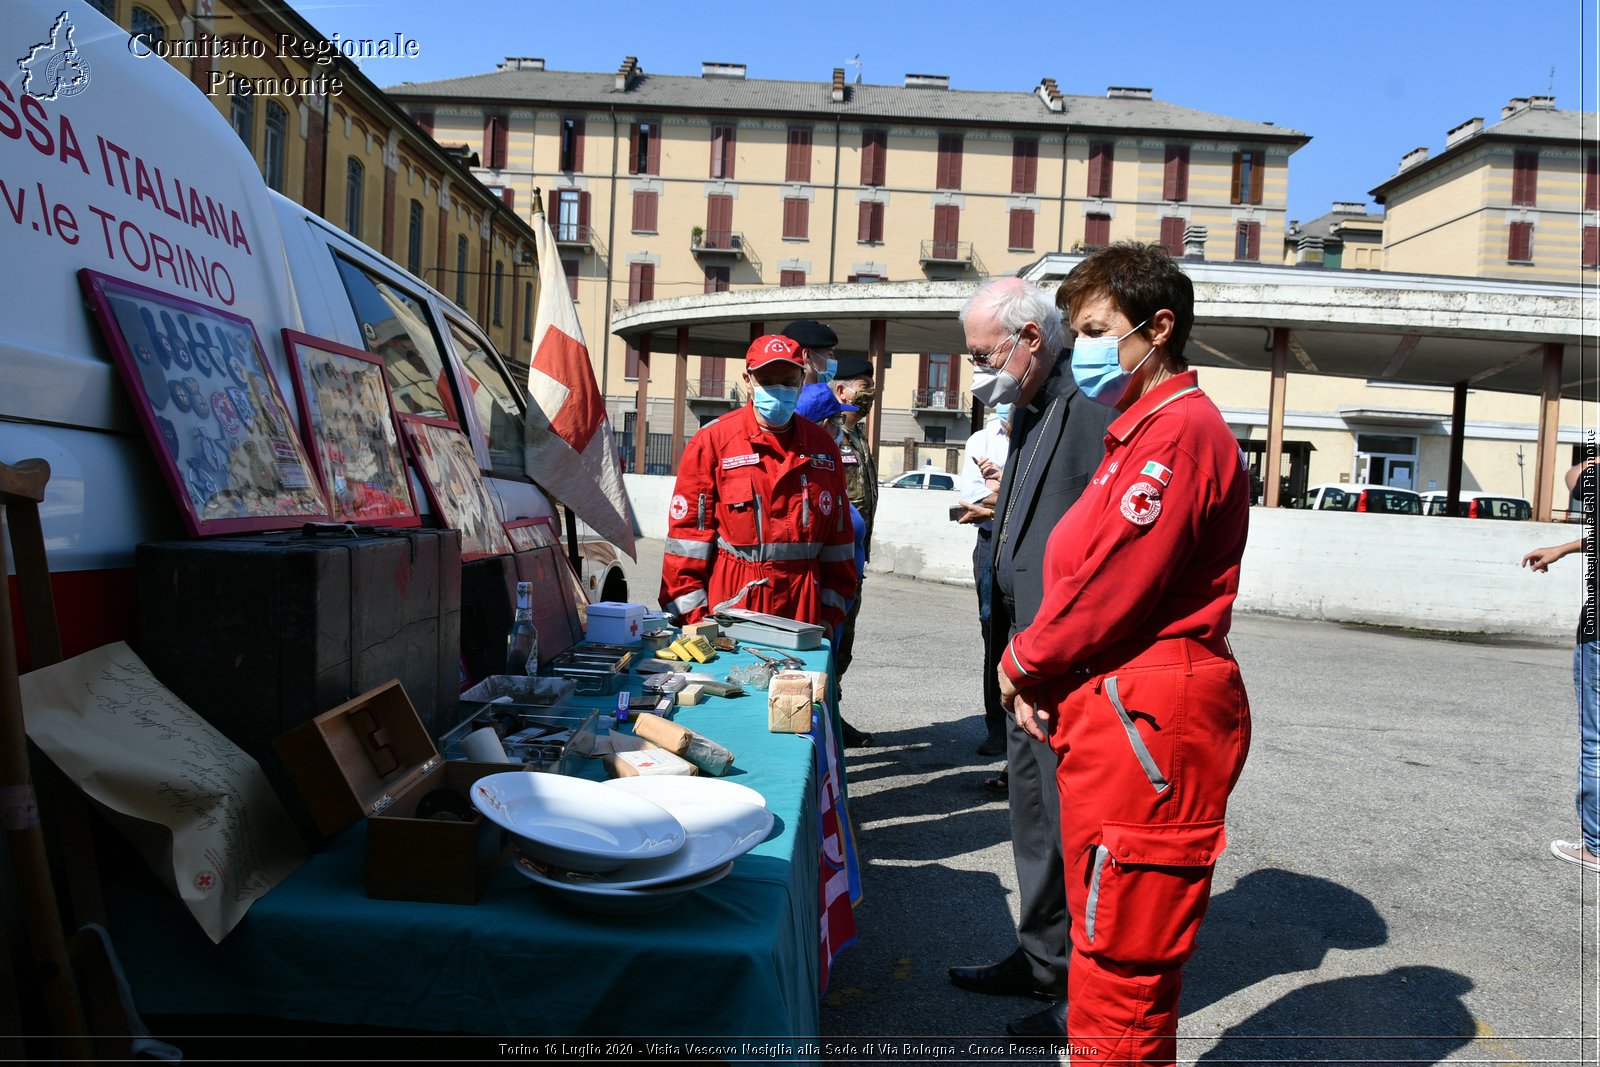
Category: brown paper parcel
[790,695]
[199,809]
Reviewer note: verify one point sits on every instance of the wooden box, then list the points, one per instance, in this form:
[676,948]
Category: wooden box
[372,758]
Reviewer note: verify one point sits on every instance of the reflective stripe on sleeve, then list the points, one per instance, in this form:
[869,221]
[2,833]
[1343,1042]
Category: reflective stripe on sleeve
[837,553]
[772,551]
[834,600]
[688,548]
[687,602]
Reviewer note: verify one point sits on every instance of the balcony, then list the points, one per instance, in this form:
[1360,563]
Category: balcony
[948,254]
[938,400]
[716,243]
[573,235]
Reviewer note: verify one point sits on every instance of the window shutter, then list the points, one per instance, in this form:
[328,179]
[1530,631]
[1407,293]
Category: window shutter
[655,148]
[874,147]
[1591,245]
[583,215]
[799,164]
[1175,181]
[1233,190]
[788,278]
[871,225]
[644,212]
[494,142]
[570,268]
[1520,242]
[1172,228]
[712,382]
[948,174]
[1024,165]
[1100,160]
[719,221]
[729,152]
[424,121]
[1591,184]
[577,144]
[946,230]
[716,152]
[922,372]
[633,149]
[1097,230]
[1252,248]
[1258,175]
[1021,229]
[635,279]
[796,216]
[509,196]
[1525,179]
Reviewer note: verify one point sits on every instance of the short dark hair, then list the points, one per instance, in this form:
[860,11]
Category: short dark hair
[1141,279]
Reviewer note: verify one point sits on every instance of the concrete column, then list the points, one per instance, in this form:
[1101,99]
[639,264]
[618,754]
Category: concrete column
[641,407]
[680,395]
[1544,480]
[1458,441]
[1272,462]
[877,334]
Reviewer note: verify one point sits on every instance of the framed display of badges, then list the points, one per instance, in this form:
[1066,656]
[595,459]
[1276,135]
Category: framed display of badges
[351,431]
[450,472]
[205,396]
[528,534]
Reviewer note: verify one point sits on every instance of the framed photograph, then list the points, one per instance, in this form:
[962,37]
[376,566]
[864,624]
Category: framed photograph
[351,431]
[529,534]
[450,473]
[204,393]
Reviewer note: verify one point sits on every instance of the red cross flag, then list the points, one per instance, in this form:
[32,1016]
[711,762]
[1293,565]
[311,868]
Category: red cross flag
[570,450]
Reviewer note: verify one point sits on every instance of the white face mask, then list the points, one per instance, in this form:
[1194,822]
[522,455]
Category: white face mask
[992,388]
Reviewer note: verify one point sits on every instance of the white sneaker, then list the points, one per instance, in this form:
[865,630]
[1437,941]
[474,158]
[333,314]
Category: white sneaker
[1574,852]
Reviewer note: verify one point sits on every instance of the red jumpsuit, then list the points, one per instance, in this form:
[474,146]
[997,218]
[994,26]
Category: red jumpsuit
[754,503]
[1129,656]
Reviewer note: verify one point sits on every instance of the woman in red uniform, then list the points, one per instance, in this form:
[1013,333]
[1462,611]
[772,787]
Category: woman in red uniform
[1126,669]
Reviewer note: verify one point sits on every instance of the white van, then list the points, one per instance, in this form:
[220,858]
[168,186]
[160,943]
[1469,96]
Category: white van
[1479,506]
[1361,497]
[117,163]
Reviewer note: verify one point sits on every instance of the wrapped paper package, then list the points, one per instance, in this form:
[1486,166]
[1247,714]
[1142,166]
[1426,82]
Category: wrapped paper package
[696,748]
[632,756]
[789,698]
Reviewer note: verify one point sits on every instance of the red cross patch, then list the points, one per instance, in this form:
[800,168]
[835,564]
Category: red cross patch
[680,508]
[204,881]
[825,502]
[1141,504]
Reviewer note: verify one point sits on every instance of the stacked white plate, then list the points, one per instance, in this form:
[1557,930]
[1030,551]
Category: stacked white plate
[626,846]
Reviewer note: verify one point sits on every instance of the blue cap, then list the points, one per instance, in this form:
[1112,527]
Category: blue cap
[818,403]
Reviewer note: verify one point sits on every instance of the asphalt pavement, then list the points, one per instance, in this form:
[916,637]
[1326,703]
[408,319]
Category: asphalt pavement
[1387,895]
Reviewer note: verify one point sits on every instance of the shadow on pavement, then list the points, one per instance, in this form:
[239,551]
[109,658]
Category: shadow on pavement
[1411,1015]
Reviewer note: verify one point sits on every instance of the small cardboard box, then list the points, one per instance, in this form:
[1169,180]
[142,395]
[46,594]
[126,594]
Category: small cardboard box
[371,758]
[612,622]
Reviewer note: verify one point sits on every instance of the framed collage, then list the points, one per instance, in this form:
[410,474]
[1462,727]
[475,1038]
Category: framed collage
[449,472]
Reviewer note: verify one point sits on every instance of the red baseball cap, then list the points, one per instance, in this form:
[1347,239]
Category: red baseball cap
[771,347]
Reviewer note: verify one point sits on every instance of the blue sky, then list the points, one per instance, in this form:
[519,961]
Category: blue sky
[1368,83]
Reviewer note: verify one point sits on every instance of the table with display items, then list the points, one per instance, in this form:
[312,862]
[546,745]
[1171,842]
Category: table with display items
[741,956]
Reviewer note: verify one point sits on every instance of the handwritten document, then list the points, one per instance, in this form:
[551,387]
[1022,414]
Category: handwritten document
[198,808]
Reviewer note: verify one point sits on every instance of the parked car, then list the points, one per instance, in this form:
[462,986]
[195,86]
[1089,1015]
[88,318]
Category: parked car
[922,480]
[1363,498]
[1479,506]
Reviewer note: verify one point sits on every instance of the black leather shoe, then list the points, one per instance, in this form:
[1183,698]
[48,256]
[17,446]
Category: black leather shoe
[993,745]
[1047,1022]
[1011,977]
[854,738]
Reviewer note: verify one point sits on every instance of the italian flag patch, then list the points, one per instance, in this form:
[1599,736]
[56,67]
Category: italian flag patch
[1157,471]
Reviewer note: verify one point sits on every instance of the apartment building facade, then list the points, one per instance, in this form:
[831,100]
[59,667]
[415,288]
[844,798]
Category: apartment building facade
[660,186]
[330,140]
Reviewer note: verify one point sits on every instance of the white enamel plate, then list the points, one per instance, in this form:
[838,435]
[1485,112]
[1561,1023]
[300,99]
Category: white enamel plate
[578,824]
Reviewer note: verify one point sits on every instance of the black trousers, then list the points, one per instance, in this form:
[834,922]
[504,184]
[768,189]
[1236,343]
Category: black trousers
[994,714]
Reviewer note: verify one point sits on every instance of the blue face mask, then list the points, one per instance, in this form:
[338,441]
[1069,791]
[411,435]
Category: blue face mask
[775,403]
[1098,370]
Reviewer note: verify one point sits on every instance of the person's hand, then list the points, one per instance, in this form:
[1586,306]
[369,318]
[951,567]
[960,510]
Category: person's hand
[1034,722]
[1008,692]
[973,513]
[990,470]
[1541,558]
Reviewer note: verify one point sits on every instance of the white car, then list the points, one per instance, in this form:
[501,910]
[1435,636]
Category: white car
[1479,506]
[922,480]
[1363,498]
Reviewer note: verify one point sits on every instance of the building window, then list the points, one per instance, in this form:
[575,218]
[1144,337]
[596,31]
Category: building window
[870,228]
[722,152]
[1247,178]
[788,279]
[1175,177]
[571,215]
[1247,241]
[946,231]
[1025,165]
[713,376]
[717,279]
[272,145]
[569,267]
[874,152]
[494,142]
[796,218]
[645,208]
[936,384]
[719,222]
[461,271]
[948,175]
[1096,230]
[1525,179]
[864,277]
[414,239]
[799,165]
[1021,231]
[1172,227]
[527,311]
[424,121]
[499,280]
[354,176]
[1591,183]
[242,113]
[108,8]
[1591,246]
[641,287]
[1520,243]
[147,28]
[644,148]
[1101,156]
[571,143]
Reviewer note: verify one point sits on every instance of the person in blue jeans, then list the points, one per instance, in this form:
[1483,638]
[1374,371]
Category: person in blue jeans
[1585,674]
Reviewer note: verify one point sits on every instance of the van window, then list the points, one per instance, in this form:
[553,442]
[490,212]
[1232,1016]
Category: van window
[396,326]
[496,401]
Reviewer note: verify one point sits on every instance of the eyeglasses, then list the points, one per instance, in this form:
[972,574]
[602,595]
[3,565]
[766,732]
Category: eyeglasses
[986,359]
